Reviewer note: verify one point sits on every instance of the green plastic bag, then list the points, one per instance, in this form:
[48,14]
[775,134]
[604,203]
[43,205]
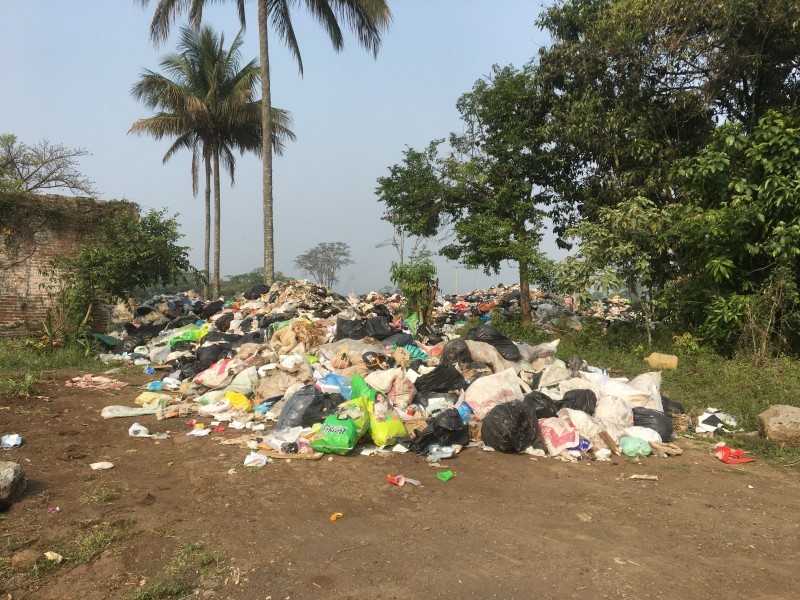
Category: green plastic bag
[192,335]
[360,389]
[413,323]
[340,432]
[631,446]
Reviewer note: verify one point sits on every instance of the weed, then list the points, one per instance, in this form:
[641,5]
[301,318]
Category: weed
[188,566]
[17,357]
[101,494]
[21,387]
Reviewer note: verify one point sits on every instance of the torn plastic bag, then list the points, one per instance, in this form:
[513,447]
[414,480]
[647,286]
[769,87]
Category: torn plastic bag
[509,428]
[488,354]
[399,339]
[454,352]
[490,335]
[443,378]
[584,400]
[212,308]
[654,419]
[540,404]
[650,383]
[614,410]
[382,380]
[531,353]
[321,407]
[208,354]
[339,381]
[424,398]
[402,392]
[446,429]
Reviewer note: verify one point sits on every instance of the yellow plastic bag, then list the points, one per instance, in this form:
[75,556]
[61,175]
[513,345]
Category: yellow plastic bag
[239,401]
[385,427]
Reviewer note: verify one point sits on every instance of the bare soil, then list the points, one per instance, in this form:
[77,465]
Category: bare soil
[507,526]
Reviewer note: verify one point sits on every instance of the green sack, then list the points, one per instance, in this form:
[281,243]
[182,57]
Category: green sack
[340,432]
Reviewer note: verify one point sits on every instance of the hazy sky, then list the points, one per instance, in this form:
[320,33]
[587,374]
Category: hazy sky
[68,68]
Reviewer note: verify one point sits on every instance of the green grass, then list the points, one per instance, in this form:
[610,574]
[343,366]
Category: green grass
[17,361]
[188,566]
[101,494]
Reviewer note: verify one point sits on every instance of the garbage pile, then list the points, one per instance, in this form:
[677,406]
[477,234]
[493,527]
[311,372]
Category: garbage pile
[303,372]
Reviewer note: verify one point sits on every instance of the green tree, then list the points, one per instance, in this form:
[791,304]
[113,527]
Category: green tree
[42,167]
[493,188]
[367,18]
[418,283]
[130,252]
[324,261]
[205,101]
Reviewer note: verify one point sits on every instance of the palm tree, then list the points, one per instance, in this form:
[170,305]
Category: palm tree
[205,102]
[367,18]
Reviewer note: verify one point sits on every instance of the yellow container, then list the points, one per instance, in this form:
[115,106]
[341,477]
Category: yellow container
[662,361]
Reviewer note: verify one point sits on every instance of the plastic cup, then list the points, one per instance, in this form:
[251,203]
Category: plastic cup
[445,475]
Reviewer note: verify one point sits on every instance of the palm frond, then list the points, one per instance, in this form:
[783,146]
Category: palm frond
[282,22]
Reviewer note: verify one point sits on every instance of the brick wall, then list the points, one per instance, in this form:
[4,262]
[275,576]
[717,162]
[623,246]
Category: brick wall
[40,228]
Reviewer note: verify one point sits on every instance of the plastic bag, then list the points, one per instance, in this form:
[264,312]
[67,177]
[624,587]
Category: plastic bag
[643,433]
[442,379]
[446,429]
[454,352]
[490,335]
[614,410]
[584,400]
[340,432]
[360,389]
[552,375]
[382,380]
[509,428]
[339,381]
[531,353]
[487,354]
[540,404]
[375,327]
[385,427]
[322,406]
[654,419]
[632,446]
[295,407]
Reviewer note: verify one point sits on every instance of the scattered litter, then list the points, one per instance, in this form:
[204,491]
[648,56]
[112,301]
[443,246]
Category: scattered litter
[96,382]
[53,557]
[336,515]
[53,510]
[231,471]
[12,440]
[730,456]
[199,432]
[101,466]
[398,480]
[644,477]
[255,459]
[445,475]
[137,430]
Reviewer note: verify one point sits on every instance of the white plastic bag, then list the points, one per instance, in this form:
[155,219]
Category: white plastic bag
[649,383]
[491,390]
[643,433]
[614,410]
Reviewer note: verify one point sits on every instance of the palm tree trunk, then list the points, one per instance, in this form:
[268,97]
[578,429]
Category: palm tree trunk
[216,222]
[207,250]
[266,142]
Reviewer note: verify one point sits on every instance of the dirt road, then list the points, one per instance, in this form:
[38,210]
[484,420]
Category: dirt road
[170,521]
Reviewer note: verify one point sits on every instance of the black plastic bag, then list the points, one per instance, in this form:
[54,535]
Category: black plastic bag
[253,337]
[399,338]
[322,406]
[446,429]
[129,342]
[224,322]
[654,419]
[357,329]
[584,400]
[442,379]
[208,355]
[255,292]
[510,427]
[212,308]
[181,322]
[490,335]
[540,404]
[456,351]
[294,409]
[671,407]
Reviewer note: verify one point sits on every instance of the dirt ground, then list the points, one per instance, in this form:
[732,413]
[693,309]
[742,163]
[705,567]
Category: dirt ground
[170,521]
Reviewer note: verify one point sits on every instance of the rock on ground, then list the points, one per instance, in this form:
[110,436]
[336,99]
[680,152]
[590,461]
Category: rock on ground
[780,424]
[13,482]
[24,560]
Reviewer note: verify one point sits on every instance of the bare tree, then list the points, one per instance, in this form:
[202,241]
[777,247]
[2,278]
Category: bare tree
[324,261]
[42,167]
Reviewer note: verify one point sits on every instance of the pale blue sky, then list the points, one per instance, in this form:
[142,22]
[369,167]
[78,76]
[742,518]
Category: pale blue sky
[68,68]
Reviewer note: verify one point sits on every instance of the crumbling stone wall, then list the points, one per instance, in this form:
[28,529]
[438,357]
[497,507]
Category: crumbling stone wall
[35,229]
